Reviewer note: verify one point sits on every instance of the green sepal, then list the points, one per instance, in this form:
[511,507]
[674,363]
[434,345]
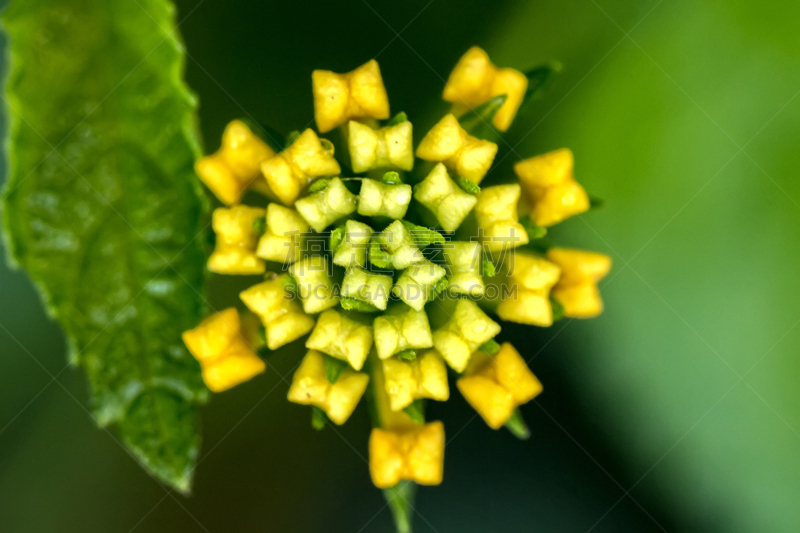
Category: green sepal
[595,202]
[378,257]
[262,336]
[319,185]
[467,186]
[336,239]
[539,245]
[415,412]
[490,347]
[273,138]
[333,367]
[400,498]
[439,288]
[409,354]
[478,121]
[391,178]
[291,138]
[289,283]
[260,225]
[488,270]
[423,236]
[397,119]
[318,418]
[539,79]
[558,309]
[352,304]
[517,426]
[534,232]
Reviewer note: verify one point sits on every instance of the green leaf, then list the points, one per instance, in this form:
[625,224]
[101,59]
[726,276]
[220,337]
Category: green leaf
[318,418]
[468,186]
[517,426]
[104,211]
[333,367]
[351,304]
[490,347]
[400,499]
[488,270]
[391,178]
[319,185]
[397,119]
[408,354]
[478,121]
[415,412]
[534,232]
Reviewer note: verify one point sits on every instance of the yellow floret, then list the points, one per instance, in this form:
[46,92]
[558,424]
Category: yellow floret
[235,166]
[496,386]
[496,215]
[279,311]
[416,283]
[576,289]
[342,336]
[551,192]
[310,386]
[528,280]
[285,233]
[446,201]
[225,356]
[467,328]
[235,250]
[315,283]
[401,328]
[475,79]
[461,153]
[387,148]
[414,453]
[423,377]
[323,208]
[367,287]
[289,172]
[463,267]
[353,249]
[377,199]
[355,95]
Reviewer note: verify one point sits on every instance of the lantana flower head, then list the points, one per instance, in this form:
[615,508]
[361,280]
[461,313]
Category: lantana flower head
[393,273]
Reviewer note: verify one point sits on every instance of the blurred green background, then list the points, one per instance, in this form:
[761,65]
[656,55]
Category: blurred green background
[677,409]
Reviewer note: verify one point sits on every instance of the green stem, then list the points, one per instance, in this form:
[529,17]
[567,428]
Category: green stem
[400,498]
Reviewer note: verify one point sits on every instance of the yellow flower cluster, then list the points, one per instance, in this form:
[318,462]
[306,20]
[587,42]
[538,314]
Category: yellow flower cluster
[365,304]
